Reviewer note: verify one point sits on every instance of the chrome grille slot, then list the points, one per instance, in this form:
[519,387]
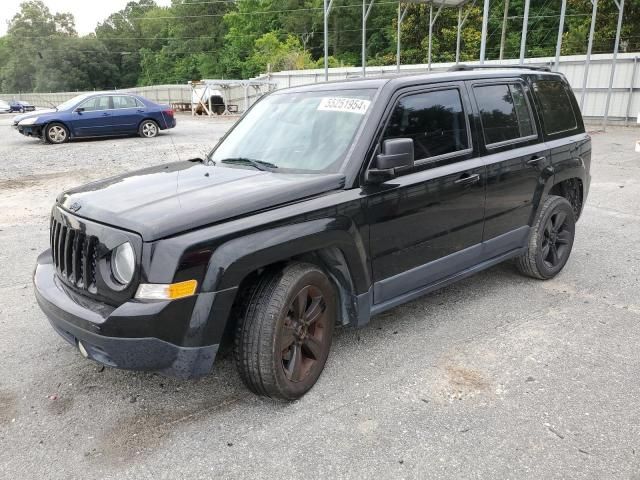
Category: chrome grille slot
[74,255]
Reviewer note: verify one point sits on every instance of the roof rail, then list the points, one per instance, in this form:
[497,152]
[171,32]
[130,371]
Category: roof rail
[464,68]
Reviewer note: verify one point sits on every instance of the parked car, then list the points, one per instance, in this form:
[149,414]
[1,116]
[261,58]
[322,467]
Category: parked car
[21,106]
[324,205]
[5,107]
[97,115]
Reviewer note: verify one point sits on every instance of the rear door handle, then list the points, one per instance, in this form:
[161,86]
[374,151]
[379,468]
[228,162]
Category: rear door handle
[140,111]
[468,179]
[535,161]
[106,114]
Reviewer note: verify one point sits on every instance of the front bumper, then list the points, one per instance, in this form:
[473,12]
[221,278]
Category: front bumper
[80,319]
[29,130]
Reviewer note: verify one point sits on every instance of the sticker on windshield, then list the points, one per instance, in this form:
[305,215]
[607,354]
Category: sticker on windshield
[341,104]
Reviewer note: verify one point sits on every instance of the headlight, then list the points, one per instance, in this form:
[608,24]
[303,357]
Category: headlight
[123,263]
[28,121]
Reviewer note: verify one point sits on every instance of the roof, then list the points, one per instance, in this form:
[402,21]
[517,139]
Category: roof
[402,80]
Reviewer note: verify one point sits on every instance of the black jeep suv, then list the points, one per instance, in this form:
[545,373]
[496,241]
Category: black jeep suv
[325,204]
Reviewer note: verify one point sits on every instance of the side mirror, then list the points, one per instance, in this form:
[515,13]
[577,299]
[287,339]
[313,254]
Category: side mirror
[396,153]
[79,109]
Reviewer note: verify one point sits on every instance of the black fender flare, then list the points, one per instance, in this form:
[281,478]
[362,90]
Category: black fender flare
[232,261]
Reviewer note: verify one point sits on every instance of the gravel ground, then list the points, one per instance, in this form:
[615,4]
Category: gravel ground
[498,376]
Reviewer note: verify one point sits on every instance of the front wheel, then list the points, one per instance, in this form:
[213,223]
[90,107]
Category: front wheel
[148,129]
[283,341]
[56,133]
[551,240]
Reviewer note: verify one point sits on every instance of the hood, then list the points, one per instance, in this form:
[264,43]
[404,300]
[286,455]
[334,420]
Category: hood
[35,113]
[168,199]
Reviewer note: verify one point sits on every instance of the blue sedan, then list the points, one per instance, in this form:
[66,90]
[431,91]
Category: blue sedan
[21,106]
[97,115]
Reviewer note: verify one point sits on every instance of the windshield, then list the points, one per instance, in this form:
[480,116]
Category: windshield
[72,101]
[296,132]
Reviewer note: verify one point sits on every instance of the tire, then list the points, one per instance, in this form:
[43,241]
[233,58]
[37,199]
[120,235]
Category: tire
[56,133]
[550,241]
[283,341]
[148,129]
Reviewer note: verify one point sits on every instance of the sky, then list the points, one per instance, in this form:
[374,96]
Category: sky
[86,12]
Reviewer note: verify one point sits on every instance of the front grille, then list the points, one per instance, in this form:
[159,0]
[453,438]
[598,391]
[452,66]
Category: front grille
[74,255]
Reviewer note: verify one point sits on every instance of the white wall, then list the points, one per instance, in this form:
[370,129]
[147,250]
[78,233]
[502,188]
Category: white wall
[572,66]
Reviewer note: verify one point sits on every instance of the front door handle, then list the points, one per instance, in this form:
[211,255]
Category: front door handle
[106,114]
[468,179]
[535,161]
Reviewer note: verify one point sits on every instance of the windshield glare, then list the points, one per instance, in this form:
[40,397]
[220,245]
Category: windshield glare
[72,101]
[305,132]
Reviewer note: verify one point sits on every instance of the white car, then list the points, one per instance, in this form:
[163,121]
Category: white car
[4,107]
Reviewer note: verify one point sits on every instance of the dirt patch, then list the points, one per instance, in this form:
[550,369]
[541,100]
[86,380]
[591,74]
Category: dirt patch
[466,379]
[8,407]
[458,382]
[134,436]
[30,181]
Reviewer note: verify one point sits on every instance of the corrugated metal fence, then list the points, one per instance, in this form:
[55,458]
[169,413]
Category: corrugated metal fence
[625,98]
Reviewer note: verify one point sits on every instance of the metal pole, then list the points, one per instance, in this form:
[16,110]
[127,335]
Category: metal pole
[483,40]
[327,9]
[430,30]
[631,85]
[432,21]
[461,22]
[398,52]
[620,5]
[525,25]
[594,12]
[504,28]
[401,14]
[563,11]
[458,35]
[364,39]
[365,16]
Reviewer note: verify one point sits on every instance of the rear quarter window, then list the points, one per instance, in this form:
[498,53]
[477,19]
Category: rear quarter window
[505,113]
[556,109]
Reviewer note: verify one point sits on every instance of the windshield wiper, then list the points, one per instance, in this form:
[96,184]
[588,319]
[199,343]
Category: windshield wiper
[259,164]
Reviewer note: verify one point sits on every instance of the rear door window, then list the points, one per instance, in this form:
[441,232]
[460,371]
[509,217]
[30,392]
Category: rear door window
[555,106]
[434,120]
[123,101]
[505,113]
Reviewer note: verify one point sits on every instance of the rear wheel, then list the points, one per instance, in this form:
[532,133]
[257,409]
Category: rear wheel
[148,129]
[551,240]
[283,341]
[56,133]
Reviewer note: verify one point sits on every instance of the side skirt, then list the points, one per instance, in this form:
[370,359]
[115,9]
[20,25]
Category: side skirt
[407,297]
[432,276]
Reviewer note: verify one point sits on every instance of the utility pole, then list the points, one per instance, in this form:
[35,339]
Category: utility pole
[483,38]
[327,9]
[525,25]
[504,28]
[366,11]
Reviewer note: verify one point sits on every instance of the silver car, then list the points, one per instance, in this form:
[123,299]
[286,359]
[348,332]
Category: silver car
[4,107]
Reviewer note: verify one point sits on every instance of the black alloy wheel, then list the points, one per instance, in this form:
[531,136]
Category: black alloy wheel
[551,240]
[556,240]
[283,341]
[303,336]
